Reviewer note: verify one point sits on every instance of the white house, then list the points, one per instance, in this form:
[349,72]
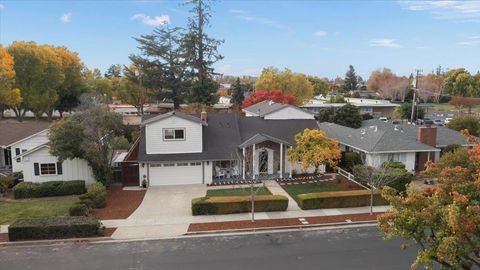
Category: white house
[375,107]
[271,110]
[25,149]
[176,148]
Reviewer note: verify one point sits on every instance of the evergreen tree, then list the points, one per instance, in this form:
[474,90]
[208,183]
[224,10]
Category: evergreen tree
[202,53]
[351,80]
[237,93]
[114,71]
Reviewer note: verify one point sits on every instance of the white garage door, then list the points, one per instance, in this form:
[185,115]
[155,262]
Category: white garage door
[178,173]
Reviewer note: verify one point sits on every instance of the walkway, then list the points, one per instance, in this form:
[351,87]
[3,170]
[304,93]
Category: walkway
[276,189]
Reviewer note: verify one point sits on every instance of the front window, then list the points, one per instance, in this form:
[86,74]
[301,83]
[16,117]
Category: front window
[173,134]
[48,169]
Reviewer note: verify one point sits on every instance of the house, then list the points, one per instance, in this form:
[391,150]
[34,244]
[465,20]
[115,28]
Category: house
[270,110]
[25,149]
[375,107]
[380,142]
[176,148]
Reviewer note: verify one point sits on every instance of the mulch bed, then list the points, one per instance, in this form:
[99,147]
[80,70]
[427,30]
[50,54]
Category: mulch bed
[120,203]
[282,222]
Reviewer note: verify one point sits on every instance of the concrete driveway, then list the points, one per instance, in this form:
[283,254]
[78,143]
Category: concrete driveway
[164,211]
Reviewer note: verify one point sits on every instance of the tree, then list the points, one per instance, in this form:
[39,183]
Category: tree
[459,82]
[351,81]
[430,87]
[202,53]
[347,115]
[443,221]
[273,95]
[470,123]
[90,134]
[9,96]
[405,111]
[237,93]
[320,86]
[133,91]
[294,84]
[464,102]
[374,178]
[314,148]
[114,71]
[164,62]
[388,85]
[39,74]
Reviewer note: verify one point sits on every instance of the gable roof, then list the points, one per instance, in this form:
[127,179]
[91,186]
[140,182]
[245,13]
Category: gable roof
[226,132]
[13,131]
[259,138]
[169,114]
[33,150]
[375,140]
[268,106]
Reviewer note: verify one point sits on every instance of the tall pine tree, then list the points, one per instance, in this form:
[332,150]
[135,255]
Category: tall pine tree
[351,80]
[202,53]
[237,93]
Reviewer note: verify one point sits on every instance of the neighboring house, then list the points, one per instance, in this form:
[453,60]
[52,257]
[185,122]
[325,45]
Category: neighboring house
[176,148]
[25,149]
[271,110]
[375,107]
[15,139]
[380,142]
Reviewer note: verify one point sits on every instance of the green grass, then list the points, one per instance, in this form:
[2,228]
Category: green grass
[33,208]
[236,192]
[449,108]
[295,190]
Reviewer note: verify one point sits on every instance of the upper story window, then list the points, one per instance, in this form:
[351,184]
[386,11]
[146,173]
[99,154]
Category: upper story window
[173,134]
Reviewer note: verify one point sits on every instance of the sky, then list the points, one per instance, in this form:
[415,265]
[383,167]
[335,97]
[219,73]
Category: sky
[314,37]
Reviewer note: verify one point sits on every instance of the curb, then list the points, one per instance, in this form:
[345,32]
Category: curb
[55,241]
[339,224]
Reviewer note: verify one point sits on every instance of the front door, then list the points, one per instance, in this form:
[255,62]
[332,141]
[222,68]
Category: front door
[263,162]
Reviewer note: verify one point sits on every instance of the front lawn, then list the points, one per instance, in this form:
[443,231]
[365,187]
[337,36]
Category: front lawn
[10,210]
[237,192]
[295,190]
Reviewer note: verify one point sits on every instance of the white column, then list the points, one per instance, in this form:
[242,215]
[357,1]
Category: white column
[253,161]
[243,163]
[428,158]
[281,160]
[291,166]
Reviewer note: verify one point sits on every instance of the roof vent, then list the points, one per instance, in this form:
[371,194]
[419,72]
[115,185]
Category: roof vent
[271,102]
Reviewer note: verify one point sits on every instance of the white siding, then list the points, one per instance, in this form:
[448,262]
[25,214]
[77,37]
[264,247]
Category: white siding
[156,145]
[289,113]
[75,169]
[297,168]
[28,144]
[208,171]
[375,160]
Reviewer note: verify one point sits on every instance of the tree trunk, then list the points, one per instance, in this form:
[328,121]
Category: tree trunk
[371,200]
[253,201]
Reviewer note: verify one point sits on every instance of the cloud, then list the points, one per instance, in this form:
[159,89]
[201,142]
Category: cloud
[66,18]
[320,33]
[446,10]
[384,42]
[157,20]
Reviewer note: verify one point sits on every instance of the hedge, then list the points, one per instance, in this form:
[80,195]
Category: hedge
[238,204]
[51,188]
[53,228]
[338,199]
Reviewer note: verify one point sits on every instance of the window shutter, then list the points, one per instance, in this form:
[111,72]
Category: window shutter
[17,151]
[36,169]
[59,168]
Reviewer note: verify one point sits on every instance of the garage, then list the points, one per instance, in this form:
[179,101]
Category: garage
[178,173]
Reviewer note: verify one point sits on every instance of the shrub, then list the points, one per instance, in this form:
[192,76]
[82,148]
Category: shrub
[5,183]
[338,199]
[51,188]
[53,228]
[79,209]
[394,165]
[96,196]
[451,148]
[238,204]
[471,123]
[350,159]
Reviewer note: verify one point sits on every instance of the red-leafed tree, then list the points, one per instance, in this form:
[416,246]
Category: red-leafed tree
[464,102]
[273,95]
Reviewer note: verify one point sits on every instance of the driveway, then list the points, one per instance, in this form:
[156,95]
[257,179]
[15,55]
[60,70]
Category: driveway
[164,211]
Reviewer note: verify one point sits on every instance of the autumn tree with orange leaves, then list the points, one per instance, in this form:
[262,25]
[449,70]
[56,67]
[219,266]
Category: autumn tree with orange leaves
[444,221]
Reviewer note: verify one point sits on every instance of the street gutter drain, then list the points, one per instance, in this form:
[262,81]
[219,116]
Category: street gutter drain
[303,221]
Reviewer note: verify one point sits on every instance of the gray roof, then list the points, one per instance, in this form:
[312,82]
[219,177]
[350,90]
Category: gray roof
[155,118]
[445,136]
[226,132]
[12,131]
[371,139]
[265,107]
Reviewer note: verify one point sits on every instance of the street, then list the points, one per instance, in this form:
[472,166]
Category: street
[353,248]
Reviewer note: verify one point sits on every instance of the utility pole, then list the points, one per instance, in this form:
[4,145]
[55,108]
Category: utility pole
[414,100]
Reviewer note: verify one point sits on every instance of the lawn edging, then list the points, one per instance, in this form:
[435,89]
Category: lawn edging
[238,204]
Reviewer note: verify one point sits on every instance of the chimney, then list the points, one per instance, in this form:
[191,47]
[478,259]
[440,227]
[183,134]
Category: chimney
[427,135]
[203,117]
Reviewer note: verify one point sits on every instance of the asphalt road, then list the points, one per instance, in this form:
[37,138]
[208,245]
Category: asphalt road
[355,248]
